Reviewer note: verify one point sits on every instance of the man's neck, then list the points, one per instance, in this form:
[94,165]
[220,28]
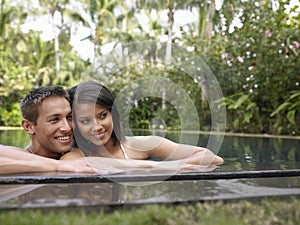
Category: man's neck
[37,151]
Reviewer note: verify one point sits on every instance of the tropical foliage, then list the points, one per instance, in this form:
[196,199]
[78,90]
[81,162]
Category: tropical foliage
[252,47]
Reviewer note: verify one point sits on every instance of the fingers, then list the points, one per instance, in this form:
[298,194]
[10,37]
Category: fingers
[198,168]
[205,158]
[218,160]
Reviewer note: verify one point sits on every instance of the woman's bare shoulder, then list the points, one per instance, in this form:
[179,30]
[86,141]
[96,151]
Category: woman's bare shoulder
[143,143]
[74,154]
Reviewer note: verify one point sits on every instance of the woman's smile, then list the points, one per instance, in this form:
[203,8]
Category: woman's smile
[100,135]
[94,123]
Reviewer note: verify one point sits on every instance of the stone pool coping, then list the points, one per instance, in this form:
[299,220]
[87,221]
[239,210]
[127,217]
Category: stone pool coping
[138,176]
[90,191]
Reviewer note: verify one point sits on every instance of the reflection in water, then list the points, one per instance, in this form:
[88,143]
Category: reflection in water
[17,138]
[54,195]
[251,152]
[11,191]
[277,153]
[105,194]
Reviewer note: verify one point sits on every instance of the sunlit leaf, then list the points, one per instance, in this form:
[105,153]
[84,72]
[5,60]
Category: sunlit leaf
[240,101]
[283,106]
[291,116]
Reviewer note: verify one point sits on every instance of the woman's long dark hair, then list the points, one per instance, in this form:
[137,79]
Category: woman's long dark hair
[93,92]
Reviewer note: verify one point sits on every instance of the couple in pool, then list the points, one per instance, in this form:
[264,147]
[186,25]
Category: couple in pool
[98,133]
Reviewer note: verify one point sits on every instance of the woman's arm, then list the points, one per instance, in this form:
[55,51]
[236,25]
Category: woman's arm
[159,147]
[106,161]
[113,164]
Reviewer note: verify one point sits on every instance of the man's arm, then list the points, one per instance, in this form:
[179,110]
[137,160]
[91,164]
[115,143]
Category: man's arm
[15,160]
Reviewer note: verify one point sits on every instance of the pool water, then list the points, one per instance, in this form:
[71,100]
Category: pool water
[240,152]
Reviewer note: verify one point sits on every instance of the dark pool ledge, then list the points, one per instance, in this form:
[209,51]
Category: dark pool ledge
[60,178]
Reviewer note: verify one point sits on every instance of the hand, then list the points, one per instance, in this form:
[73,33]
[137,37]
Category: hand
[205,157]
[77,166]
[197,168]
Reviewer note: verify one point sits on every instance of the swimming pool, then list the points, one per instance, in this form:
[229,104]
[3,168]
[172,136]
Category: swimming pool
[255,167]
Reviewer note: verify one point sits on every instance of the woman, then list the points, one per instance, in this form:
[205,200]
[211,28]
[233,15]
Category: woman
[98,132]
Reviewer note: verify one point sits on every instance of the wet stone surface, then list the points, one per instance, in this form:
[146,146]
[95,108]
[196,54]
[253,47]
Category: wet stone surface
[77,190]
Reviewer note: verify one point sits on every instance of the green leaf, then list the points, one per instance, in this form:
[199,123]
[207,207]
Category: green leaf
[295,105]
[236,123]
[247,117]
[291,116]
[297,94]
[240,101]
[251,105]
[283,106]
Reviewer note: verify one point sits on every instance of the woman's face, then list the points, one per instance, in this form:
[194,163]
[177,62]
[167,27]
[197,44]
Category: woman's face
[94,123]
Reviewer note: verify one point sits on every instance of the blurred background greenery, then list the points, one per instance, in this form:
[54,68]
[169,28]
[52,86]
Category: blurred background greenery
[252,48]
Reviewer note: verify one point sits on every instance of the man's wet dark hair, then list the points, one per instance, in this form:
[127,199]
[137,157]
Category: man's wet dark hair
[29,105]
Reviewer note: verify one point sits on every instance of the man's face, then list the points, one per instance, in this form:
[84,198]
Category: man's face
[53,133]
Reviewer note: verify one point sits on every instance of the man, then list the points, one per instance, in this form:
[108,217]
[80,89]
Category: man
[47,118]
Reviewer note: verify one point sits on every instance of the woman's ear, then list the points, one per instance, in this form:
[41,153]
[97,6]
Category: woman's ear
[28,127]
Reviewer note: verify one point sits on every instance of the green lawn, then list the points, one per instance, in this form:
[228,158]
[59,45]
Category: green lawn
[269,211]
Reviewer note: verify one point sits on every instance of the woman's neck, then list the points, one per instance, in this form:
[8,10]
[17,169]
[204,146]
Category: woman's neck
[110,150]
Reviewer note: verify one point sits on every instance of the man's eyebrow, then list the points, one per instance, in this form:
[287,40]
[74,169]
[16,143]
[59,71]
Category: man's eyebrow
[53,115]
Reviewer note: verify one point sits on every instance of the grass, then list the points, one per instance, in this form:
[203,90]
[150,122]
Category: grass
[269,211]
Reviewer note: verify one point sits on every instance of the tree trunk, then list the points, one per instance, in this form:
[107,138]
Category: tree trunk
[207,35]
[56,41]
[168,48]
[209,22]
